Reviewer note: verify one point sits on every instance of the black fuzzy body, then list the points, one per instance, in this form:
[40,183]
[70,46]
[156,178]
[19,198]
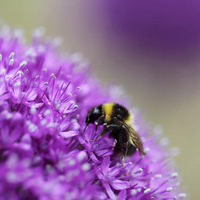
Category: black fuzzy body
[117,121]
[123,146]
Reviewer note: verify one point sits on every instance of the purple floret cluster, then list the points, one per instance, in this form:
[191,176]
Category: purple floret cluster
[44,153]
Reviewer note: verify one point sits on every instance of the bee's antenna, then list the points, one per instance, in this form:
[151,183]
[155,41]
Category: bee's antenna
[85,127]
[96,128]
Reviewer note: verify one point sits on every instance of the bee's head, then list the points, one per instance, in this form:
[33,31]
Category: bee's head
[93,115]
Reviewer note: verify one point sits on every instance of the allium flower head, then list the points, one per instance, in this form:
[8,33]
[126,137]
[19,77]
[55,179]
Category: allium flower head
[44,154]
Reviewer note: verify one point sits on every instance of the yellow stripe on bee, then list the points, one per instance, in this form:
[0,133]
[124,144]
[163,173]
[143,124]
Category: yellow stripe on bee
[108,109]
[129,121]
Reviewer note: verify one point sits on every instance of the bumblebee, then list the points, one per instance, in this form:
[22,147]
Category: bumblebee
[117,121]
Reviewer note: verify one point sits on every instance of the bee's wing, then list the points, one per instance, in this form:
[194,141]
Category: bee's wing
[135,139]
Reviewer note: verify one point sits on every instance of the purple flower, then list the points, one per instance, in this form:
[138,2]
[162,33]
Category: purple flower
[44,154]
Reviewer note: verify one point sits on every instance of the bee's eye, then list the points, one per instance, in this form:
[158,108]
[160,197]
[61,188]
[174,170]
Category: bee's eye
[96,111]
[93,115]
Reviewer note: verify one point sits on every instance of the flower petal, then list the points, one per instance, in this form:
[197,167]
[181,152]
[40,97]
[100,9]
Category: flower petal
[122,195]
[69,134]
[109,191]
[120,185]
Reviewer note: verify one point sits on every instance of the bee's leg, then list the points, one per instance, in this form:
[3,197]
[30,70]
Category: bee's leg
[113,126]
[95,129]
[124,154]
[100,120]
[108,128]
[85,128]
[105,130]
[97,123]
[126,151]
[122,160]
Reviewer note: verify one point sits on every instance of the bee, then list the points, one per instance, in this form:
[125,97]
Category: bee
[117,121]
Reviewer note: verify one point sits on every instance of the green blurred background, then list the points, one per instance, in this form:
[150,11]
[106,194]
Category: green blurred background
[165,90]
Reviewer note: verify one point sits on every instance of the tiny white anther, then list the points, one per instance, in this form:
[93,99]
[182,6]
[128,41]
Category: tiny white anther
[169,189]
[23,63]
[8,115]
[11,162]
[44,70]
[57,105]
[174,175]
[11,177]
[64,116]
[28,122]
[2,71]
[11,61]
[81,155]
[11,56]
[20,73]
[73,120]
[85,166]
[17,84]
[31,52]
[32,128]
[96,123]
[43,122]
[139,189]
[75,106]
[147,149]
[105,124]
[37,77]
[47,112]
[182,195]
[71,162]
[51,125]
[140,170]
[53,76]
[33,110]
[158,176]
[133,192]
[147,190]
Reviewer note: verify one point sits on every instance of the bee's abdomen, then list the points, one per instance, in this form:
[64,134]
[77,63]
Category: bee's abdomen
[122,138]
[131,150]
